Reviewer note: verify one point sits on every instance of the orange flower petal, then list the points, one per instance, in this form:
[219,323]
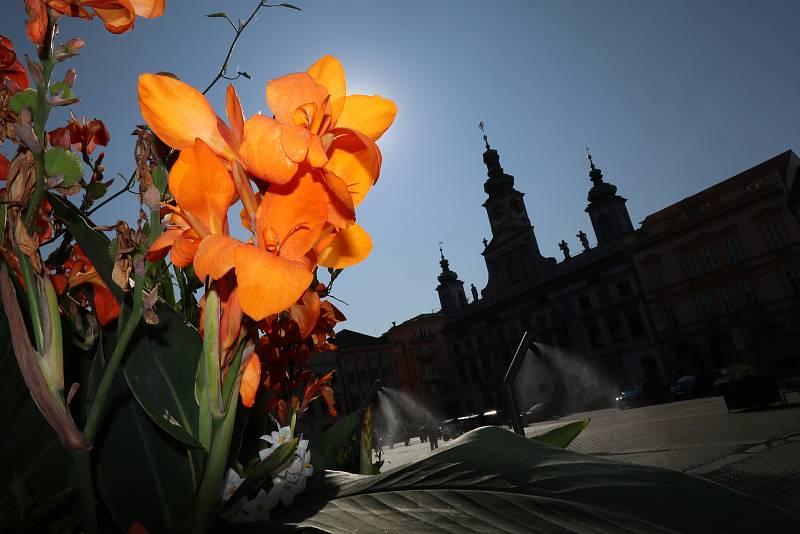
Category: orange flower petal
[251,377]
[349,247]
[214,256]
[178,114]
[356,160]
[37,20]
[105,305]
[233,109]
[160,247]
[316,153]
[117,19]
[287,93]
[148,8]
[184,248]
[338,188]
[202,186]
[268,284]
[261,151]
[328,72]
[371,115]
[295,141]
[305,313]
[293,215]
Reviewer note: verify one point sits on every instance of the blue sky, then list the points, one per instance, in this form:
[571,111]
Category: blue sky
[671,98]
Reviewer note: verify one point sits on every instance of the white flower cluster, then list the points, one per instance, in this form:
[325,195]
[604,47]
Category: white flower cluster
[288,480]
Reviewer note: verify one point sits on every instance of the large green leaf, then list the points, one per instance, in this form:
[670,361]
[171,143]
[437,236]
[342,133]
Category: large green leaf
[143,474]
[160,370]
[493,480]
[32,461]
[562,436]
[95,244]
[325,446]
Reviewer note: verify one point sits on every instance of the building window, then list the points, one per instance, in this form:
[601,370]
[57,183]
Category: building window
[689,265]
[711,258]
[728,298]
[750,294]
[421,332]
[791,280]
[614,325]
[351,377]
[584,303]
[706,306]
[732,250]
[656,278]
[775,235]
[671,315]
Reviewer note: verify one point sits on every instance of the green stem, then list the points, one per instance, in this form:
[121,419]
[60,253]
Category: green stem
[82,460]
[210,492]
[40,116]
[131,322]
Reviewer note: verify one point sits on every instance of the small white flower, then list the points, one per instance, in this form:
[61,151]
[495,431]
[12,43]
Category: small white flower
[275,440]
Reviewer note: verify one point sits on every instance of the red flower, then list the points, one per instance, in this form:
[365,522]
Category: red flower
[12,72]
[81,136]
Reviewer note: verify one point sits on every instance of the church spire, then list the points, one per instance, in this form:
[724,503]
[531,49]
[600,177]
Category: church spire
[450,288]
[610,218]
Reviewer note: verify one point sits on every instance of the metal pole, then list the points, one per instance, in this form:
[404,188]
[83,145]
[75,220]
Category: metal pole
[511,375]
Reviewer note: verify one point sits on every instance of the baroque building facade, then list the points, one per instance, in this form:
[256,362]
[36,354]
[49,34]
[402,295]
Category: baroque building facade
[721,272]
[587,312]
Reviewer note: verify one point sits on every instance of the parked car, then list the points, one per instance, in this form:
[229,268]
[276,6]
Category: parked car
[691,386]
[642,395]
[450,429]
[541,411]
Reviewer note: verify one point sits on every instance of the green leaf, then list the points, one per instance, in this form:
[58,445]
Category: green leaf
[290,6]
[245,74]
[64,89]
[492,480]
[142,473]
[562,436]
[59,161]
[263,471]
[325,446]
[160,371]
[220,14]
[30,452]
[96,190]
[24,99]
[95,244]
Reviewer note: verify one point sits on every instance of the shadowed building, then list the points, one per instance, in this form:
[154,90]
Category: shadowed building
[587,311]
[359,360]
[721,271]
[423,369]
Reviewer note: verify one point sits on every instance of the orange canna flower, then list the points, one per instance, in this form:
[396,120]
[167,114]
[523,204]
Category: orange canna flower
[275,270]
[117,15]
[203,190]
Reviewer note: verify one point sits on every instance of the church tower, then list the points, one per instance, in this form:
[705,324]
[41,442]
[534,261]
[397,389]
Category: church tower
[513,252]
[610,218]
[450,288]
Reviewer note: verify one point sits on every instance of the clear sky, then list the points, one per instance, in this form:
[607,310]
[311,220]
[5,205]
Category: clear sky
[671,98]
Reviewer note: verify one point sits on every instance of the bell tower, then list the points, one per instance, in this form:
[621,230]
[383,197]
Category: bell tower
[450,288]
[607,210]
[513,252]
